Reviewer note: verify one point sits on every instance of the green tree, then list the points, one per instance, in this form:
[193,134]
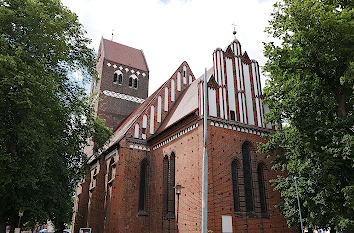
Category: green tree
[310,94]
[45,116]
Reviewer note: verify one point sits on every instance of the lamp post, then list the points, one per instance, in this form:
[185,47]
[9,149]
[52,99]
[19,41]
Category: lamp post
[178,188]
[20,214]
[298,203]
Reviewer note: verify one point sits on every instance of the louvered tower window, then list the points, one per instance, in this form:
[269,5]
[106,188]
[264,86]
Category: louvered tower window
[120,78]
[115,77]
[234,171]
[143,188]
[262,191]
[247,174]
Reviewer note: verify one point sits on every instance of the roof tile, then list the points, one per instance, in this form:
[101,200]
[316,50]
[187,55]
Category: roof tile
[125,55]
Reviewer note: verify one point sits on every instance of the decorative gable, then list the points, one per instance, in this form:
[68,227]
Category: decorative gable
[229,53]
[148,117]
[246,59]
[212,83]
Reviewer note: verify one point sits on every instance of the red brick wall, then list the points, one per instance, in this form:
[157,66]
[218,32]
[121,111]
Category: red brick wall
[81,214]
[188,173]
[123,213]
[224,145]
[95,219]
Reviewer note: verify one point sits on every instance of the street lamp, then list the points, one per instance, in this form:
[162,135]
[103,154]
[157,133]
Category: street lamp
[20,214]
[178,188]
[298,203]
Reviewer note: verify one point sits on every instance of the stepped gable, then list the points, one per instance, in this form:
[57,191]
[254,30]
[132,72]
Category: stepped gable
[126,128]
[246,59]
[212,83]
[186,104]
[123,54]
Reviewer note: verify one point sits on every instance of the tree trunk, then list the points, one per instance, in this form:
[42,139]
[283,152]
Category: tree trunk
[2,224]
[341,111]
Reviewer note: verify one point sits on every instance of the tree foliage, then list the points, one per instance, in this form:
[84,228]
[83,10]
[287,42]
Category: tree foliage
[45,115]
[310,94]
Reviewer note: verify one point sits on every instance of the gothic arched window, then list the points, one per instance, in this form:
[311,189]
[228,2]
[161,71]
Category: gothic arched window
[234,171]
[171,188]
[262,190]
[118,77]
[165,185]
[247,174]
[143,187]
[130,81]
[168,186]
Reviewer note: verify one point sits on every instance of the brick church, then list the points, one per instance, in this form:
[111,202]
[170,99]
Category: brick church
[158,144]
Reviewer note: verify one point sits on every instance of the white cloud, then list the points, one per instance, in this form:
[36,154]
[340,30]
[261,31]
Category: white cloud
[78,75]
[173,31]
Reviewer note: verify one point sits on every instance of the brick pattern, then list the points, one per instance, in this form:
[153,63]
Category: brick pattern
[188,174]
[221,154]
[124,203]
[224,146]
[80,215]
[95,218]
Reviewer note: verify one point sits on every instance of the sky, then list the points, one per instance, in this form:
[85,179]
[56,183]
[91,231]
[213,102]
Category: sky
[172,31]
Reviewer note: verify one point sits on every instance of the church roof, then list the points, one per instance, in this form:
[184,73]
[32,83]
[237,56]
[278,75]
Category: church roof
[186,104]
[123,54]
[122,129]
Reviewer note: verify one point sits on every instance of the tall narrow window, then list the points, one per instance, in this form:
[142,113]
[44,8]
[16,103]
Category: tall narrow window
[234,171]
[136,83]
[184,75]
[143,187]
[143,130]
[120,78]
[110,169]
[247,174]
[179,81]
[171,189]
[262,191]
[115,77]
[130,81]
[136,131]
[159,110]
[165,185]
[172,90]
[168,186]
[232,115]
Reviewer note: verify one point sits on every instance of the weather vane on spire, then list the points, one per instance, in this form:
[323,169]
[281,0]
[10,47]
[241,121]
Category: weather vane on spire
[234,32]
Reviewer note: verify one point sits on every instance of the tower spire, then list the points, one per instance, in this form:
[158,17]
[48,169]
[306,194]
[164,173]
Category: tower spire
[234,31]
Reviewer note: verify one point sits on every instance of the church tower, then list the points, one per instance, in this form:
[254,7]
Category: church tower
[123,81]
